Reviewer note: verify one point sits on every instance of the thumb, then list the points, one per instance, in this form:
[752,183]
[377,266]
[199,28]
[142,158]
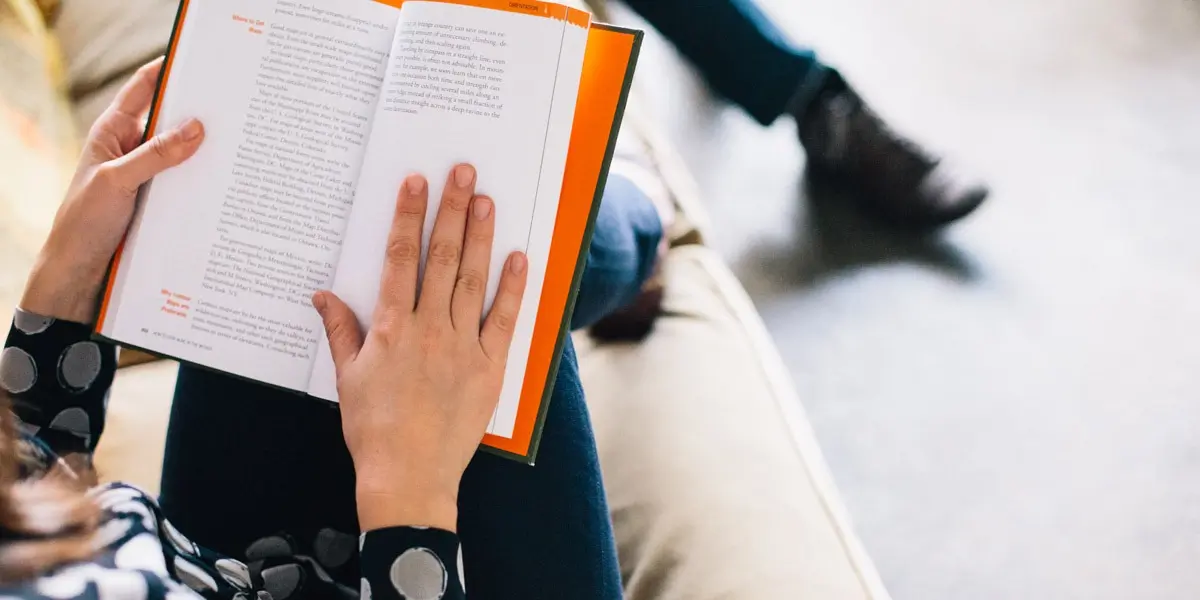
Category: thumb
[158,154]
[341,327]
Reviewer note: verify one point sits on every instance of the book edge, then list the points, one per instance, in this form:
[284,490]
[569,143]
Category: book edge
[581,262]
[110,275]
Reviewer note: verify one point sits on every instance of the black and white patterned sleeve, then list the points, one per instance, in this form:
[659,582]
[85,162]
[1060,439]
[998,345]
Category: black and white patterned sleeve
[132,561]
[411,562]
[59,379]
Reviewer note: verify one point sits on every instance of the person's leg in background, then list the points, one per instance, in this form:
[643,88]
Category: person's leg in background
[746,58]
[626,245]
[249,466]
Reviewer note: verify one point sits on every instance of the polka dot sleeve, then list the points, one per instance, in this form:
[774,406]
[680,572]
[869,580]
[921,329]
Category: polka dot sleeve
[59,379]
[411,563]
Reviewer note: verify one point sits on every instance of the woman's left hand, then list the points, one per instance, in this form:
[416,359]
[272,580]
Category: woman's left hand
[99,205]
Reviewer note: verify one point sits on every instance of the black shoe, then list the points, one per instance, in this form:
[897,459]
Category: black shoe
[899,181]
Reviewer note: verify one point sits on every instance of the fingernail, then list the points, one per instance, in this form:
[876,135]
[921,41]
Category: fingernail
[464,175]
[517,263]
[319,301]
[483,207]
[415,184]
[191,130]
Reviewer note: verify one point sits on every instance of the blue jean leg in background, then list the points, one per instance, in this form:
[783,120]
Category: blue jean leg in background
[742,54]
[622,255]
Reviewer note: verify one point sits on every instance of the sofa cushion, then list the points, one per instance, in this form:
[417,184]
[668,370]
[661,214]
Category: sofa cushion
[714,478]
[135,430]
[103,40]
[38,146]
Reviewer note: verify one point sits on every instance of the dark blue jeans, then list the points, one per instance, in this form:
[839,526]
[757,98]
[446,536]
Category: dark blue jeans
[244,461]
[740,52]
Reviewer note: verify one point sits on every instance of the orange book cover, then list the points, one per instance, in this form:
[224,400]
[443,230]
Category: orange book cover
[609,62]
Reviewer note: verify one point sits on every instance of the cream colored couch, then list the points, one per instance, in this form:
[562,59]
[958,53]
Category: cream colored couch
[716,484]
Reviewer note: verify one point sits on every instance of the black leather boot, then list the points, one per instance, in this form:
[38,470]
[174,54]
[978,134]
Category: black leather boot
[896,179]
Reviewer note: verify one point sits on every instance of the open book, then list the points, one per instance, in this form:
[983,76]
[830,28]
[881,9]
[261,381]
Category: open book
[315,111]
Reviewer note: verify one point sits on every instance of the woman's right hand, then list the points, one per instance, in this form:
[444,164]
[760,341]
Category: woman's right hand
[418,390]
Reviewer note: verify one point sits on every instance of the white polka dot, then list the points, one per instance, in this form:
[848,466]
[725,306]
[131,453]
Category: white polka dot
[419,574]
[234,572]
[180,541]
[79,366]
[73,420]
[194,576]
[333,548]
[142,552]
[364,592]
[31,324]
[18,372]
[462,573]
[269,547]
[281,582]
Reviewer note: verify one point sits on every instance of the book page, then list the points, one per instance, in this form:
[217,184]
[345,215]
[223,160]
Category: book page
[227,249]
[490,87]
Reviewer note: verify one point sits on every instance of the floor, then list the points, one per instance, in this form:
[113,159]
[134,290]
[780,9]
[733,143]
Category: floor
[1012,410]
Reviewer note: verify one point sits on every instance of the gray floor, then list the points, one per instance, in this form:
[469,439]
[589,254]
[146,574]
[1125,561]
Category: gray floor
[1012,411]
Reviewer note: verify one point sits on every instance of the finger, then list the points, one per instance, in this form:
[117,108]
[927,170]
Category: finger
[466,308]
[402,259]
[135,96]
[341,328]
[158,154]
[445,244]
[497,333]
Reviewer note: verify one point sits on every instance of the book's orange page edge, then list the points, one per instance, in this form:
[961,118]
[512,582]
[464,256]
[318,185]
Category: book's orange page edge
[164,76]
[527,7]
[605,67]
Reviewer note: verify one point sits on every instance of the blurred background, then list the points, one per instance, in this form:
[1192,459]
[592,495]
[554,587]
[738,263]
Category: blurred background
[1012,409]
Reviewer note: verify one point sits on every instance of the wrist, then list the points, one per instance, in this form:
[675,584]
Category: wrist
[380,508]
[63,292]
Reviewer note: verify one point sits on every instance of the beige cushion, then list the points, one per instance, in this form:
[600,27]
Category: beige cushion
[104,41]
[38,146]
[716,484]
[135,432]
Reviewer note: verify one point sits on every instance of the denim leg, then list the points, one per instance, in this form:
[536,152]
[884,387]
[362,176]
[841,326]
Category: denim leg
[740,52]
[542,531]
[244,462]
[622,255]
[545,531]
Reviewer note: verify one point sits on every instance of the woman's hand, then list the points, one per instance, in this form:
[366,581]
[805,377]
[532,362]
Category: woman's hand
[93,218]
[418,391]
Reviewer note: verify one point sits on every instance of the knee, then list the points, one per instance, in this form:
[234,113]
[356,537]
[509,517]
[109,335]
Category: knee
[627,231]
